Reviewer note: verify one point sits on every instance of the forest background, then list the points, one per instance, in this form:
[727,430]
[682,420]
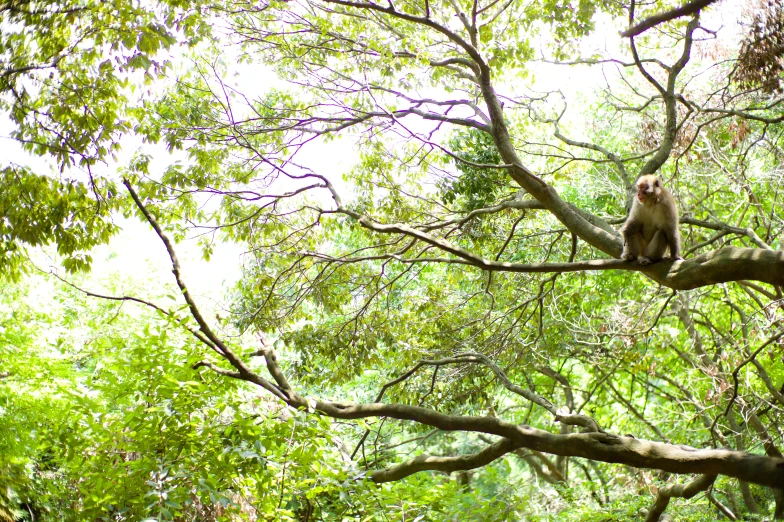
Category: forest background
[356,260]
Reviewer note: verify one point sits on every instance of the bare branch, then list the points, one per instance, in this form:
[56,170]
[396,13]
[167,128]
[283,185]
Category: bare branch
[196,333]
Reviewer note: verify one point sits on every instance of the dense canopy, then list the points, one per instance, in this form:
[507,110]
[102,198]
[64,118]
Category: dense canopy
[430,317]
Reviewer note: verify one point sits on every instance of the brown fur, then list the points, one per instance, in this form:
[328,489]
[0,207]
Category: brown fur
[652,225]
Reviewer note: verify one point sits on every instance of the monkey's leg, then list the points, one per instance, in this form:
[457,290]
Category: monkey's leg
[655,249]
[632,244]
[675,245]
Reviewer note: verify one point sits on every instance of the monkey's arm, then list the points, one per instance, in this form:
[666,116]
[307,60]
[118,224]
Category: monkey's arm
[674,240]
[632,232]
[671,228]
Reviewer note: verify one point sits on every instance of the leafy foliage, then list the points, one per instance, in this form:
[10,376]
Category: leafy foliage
[479,186]
[352,149]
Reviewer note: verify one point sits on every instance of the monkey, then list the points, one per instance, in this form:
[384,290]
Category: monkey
[652,225]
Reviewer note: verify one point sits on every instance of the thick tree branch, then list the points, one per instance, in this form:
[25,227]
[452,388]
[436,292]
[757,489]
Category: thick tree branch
[720,266]
[604,447]
[652,21]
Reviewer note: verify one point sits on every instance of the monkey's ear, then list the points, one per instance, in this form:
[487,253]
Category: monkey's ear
[657,182]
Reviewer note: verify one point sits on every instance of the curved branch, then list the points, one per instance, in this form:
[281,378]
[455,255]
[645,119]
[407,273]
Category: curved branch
[472,357]
[593,445]
[445,464]
[205,328]
[18,70]
[617,160]
[678,490]
[751,357]
[515,203]
[470,49]
[723,227]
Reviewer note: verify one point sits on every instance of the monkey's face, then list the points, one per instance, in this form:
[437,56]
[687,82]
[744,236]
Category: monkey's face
[648,189]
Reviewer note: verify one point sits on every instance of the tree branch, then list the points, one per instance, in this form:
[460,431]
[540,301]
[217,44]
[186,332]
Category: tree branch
[445,464]
[603,447]
[244,372]
[652,21]
[678,490]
